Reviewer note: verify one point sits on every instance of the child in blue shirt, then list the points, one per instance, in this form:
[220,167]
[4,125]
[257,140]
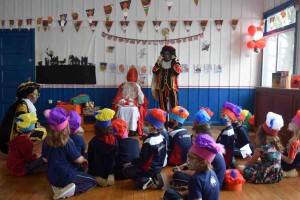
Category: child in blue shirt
[60,153]
[203,183]
[128,148]
[179,138]
[147,167]
[102,149]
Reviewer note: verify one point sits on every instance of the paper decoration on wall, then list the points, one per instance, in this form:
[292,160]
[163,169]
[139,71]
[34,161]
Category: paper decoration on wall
[38,23]
[124,25]
[205,46]
[187,25]
[77,25]
[50,21]
[197,68]
[207,68]
[110,49]
[74,15]
[45,24]
[11,23]
[218,68]
[272,19]
[20,23]
[90,14]
[156,25]
[143,69]
[63,21]
[103,66]
[196,2]
[140,25]
[112,67]
[185,68]
[28,23]
[121,69]
[142,79]
[146,5]
[257,42]
[2,24]
[203,24]
[108,25]
[262,24]
[142,53]
[93,25]
[169,4]
[234,23]
[107,11]
[172,25]
[219,24]
[125,5]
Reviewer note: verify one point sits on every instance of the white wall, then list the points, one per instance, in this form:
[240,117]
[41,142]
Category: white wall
[227,46]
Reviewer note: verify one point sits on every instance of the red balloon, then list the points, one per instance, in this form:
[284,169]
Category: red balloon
[261,43]
[251,30]
[259,29]
[250,44]
[257,46]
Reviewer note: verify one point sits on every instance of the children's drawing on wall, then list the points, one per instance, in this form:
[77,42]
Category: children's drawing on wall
[205,45]
[207,68]
[110,49]
[142,53]
[185,68]
[142,80]
[103,66]
[143,69]
[218,68]
[121,69]
[112,67]
[197,68]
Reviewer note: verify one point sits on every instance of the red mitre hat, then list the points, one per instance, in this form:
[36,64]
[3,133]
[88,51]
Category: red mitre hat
[132,75]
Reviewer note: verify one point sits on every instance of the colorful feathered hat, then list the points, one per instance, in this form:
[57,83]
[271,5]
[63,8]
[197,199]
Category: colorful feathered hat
[26,122]
[296,118]
[103,117]
[156,117]
[26,88]
[74,121]
[119,128]
[203,116]
[179,114]
[168,48]
[231,110]
[243,114]
[58,119]
[273,124]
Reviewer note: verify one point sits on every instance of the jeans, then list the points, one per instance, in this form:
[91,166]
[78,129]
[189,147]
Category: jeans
[84,182]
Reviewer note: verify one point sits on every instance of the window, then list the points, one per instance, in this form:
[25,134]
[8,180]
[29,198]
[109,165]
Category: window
[280,34]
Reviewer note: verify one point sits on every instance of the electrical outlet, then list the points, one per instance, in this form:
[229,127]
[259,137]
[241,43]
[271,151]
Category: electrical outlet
[50,101]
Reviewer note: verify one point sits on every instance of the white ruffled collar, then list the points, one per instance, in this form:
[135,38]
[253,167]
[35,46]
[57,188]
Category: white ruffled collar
[30,106]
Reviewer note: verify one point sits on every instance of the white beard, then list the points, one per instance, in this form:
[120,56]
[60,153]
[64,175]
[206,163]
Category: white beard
[129,91]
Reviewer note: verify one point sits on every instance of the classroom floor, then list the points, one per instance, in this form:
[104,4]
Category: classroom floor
[36,187]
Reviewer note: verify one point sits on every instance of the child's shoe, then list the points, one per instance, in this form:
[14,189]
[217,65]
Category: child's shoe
[158,181]
[145,185]
[110,179]
[55,189]
[290,174]
[65,192]
[101,181]
[179,184]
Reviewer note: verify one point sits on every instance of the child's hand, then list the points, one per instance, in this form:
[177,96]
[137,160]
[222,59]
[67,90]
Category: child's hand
[127,164]
[176,169]
[84,164]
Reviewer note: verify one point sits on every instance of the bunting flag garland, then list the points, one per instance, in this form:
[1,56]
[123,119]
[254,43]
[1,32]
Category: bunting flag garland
[62,22]
[74,15]
[188,25]
[77,25]
[28,23]
[196,2]
[125,5]
[38,23]
[234,23]
[172,25]
[45,24]
[11,23]
[146,5]
[124,25]
[50,21]
[140,25]
[203,24]
[219,24]
[20,23]
[2,24]
[90,14]
[93,25]
[107,11]
[108,25]
[169,4]
[154,42]
[156,25]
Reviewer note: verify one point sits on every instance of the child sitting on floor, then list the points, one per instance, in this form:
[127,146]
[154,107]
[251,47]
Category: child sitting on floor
[128,148]
[268,170]
[102,149]
[204,183]
[179,138]
[146,169]
[60,153]
[290,159]
[21,160]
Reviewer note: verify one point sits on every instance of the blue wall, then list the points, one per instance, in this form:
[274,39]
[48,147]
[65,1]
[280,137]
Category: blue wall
[190,98]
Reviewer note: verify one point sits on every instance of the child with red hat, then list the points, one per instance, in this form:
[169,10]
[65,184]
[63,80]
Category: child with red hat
[128,148]
[204,183]
[228,114]
[146,169]
[290,159]
[241,133]
[179,139]
[268,169]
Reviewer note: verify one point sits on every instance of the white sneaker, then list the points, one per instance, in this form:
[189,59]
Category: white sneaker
[55,189]
[290,174]
[110,179]
[65,192]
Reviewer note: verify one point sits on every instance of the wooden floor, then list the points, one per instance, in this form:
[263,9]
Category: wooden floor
[36,187]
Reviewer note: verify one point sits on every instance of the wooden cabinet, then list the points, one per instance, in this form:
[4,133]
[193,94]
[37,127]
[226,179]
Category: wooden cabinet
[281,101]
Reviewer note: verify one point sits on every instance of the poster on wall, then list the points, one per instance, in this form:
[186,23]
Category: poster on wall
[103,66]
[197,68]
[112,67]
[143,69]
[185,68]
[207,68]
[218,68]
[121,68]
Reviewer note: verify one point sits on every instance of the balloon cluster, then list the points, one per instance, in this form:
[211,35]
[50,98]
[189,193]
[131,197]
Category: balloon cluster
[258,42]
